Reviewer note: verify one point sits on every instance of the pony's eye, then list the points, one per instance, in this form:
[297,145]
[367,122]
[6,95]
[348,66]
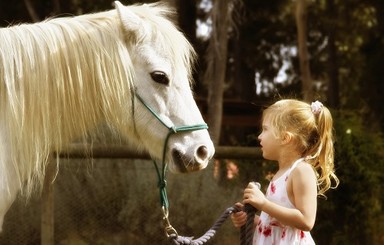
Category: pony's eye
[160,77]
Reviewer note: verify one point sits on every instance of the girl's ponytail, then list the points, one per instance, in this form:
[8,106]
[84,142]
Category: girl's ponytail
[324,163]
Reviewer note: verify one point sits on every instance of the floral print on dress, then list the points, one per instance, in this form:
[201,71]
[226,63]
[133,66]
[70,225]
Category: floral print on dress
[267,231]
[273,188]
[283,234]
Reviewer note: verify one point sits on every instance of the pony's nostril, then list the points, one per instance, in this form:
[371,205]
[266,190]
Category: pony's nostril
[202,153]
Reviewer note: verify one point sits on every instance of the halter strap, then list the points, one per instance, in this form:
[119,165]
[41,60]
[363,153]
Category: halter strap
[172,129]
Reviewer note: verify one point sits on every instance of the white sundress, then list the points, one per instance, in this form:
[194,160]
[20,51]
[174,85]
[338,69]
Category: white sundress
[270,231]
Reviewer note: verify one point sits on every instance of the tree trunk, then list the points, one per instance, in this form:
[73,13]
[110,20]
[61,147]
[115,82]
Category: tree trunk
[47,205]
[301,23]
[216,67]
[333,71]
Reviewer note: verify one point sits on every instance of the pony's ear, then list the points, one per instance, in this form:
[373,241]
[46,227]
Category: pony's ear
[132,24]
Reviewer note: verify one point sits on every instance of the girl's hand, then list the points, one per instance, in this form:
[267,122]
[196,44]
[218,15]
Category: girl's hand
[254,196]
[239,218]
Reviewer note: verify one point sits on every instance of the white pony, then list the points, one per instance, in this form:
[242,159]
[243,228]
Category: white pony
[63,77]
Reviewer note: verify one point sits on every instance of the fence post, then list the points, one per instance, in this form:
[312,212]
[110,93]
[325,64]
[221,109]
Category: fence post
[47,205]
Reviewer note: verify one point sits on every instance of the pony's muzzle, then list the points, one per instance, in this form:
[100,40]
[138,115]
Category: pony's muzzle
[185,162]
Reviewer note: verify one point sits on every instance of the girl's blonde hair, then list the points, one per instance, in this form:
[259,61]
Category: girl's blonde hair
[312,129]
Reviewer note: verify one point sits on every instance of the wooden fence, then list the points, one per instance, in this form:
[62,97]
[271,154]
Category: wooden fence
[108,152]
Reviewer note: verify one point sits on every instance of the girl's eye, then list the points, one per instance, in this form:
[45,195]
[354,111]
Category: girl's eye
[160,77]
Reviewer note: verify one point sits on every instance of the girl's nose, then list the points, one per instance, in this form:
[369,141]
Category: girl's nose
[259,137]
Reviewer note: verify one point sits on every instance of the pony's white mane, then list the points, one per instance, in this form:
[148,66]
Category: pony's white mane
[60,78]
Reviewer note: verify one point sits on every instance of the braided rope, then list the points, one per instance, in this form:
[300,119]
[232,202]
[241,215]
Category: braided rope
[246,231]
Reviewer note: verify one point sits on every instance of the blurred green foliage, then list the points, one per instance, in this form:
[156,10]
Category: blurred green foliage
[353,213]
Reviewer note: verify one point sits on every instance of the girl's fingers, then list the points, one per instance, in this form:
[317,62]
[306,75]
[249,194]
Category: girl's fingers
[239,205]
[239,219]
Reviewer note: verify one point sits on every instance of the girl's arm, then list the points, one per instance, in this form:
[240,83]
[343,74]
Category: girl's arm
[304,188]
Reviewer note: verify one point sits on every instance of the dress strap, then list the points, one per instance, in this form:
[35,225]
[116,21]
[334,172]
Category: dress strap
[295,164]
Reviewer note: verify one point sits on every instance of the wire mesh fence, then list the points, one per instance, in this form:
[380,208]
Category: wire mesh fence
[104,201]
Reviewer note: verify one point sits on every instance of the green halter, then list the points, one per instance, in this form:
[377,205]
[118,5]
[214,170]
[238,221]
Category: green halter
[162,175]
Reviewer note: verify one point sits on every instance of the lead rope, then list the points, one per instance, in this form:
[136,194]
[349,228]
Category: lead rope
[246,231]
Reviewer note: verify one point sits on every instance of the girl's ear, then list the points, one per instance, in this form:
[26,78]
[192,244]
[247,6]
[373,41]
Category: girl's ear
[287,137]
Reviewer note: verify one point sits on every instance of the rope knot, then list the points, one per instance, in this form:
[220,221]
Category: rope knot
[162,184]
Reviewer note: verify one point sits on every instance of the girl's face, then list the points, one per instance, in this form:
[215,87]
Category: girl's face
[269,143]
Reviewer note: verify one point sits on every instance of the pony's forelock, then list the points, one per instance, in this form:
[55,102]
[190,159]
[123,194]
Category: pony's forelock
[163,31]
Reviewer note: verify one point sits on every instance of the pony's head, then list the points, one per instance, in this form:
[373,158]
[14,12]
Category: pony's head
[162,61]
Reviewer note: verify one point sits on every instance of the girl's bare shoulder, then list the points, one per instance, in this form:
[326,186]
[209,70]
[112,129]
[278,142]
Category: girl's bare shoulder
[303,171]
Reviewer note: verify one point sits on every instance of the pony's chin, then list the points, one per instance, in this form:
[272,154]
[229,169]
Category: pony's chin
[185,163]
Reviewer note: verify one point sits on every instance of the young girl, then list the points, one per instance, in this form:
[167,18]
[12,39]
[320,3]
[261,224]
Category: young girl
[299,137]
